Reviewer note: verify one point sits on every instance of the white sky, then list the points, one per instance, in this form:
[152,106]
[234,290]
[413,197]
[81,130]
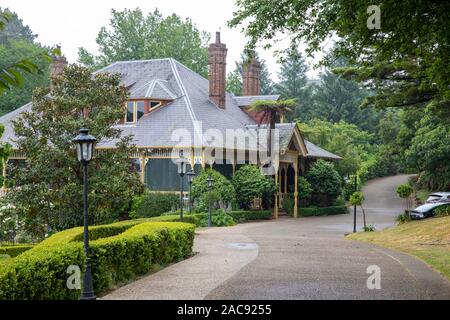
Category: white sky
[75,24]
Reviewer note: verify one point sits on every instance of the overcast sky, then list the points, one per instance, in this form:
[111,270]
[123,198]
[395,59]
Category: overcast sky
[76,23]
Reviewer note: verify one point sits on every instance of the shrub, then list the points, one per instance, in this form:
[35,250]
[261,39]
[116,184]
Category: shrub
[194,218]
[288,204]
[403,218]
[245,215]
[129,249]
[443,210]
[304,188]
[369,228]
[221,187]
[324,211]
[349,187]
[250,183]
[153,204]
[324,178]
[222,220]
[15,250]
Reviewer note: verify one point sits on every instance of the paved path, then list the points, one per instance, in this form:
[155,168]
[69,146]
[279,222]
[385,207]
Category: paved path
[306,258]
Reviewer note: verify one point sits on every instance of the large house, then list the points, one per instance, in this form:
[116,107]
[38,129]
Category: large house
[173,109]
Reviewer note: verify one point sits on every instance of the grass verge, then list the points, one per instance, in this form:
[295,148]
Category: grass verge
[429,240]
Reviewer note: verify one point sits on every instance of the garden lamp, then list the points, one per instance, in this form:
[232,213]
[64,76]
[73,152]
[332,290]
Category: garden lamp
[210,181]
[85,148]
[181,162]
[190,175]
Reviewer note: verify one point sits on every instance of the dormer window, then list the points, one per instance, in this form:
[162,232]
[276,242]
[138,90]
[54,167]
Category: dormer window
[136,109]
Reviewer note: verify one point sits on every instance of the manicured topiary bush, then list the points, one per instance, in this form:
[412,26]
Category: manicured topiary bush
[250,183]
[152,204]
[119,252]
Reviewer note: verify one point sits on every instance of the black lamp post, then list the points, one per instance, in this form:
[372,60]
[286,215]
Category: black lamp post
[190,175]
[182,161]
[85,149]
[210,181]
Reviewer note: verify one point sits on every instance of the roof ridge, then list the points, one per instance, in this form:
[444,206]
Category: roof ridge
[185,96]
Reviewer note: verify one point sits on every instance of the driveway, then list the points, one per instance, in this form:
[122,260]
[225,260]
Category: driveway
[305,258]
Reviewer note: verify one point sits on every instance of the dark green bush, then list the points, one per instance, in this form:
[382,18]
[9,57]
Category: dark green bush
[250,183]
[153,204]
[41,272]
[222,188]
[288,204]
[194,218]
[324,178]
[246,215]
[222,220]
[15,250]
[322,211]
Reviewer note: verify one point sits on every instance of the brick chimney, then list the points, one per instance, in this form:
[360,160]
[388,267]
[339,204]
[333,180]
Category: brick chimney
[251,75]
[217,71]
[57,66]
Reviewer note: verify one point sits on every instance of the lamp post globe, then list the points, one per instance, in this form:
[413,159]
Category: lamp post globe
[85,148]
[190,175]
[181,162]
[210,181]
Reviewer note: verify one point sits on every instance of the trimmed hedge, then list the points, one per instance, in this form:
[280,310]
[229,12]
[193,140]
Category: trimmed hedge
[152,204]
[194,218]
[245,215]
[15,250]
[119,252]
[325,211]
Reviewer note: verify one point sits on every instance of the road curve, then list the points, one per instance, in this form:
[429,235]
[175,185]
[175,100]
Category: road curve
[305,258]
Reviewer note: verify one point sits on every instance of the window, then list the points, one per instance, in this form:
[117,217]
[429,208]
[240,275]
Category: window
[154,104]
[135,110]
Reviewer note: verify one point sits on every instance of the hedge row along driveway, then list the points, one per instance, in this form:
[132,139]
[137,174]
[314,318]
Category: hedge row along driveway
[119,253]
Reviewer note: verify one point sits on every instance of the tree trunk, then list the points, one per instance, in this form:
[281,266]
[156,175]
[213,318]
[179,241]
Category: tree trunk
[364,218]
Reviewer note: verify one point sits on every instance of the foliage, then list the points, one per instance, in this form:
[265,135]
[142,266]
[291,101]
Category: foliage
[48,193]
[134,36]
[325,211]
[304,188]
[411,47]
[152,204]
[402,218]
[443,210]
[234,82]
[404,190]
[120,252]
[324,178]
[349,187]
[369,228]
[10,223]
[13,67]
[354,145]
[250,183]
[15,250]
[244,215]
[222,189]
[195,218]
[356,199]
[221,219]
[10,53]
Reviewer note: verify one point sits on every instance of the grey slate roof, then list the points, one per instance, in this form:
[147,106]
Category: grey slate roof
[317,152]
[189,107]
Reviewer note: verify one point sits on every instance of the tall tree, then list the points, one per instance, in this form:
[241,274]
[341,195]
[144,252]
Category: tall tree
[335,99]
[15,29]
[234,81]
[132,35]
[293,83]
[46,194]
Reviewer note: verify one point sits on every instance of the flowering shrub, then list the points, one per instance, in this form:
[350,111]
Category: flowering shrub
[10,223]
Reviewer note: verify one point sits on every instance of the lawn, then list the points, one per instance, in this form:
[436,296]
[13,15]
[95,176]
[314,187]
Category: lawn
[429,240]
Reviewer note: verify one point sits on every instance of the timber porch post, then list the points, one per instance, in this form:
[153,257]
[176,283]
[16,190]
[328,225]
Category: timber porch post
[296,188]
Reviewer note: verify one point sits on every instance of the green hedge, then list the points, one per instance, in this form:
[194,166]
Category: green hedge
[324,211]
[119,252]
[245,215]
[194,218]
[15,250]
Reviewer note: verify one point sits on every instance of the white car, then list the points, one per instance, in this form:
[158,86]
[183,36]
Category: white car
[438,197]
[426,210]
